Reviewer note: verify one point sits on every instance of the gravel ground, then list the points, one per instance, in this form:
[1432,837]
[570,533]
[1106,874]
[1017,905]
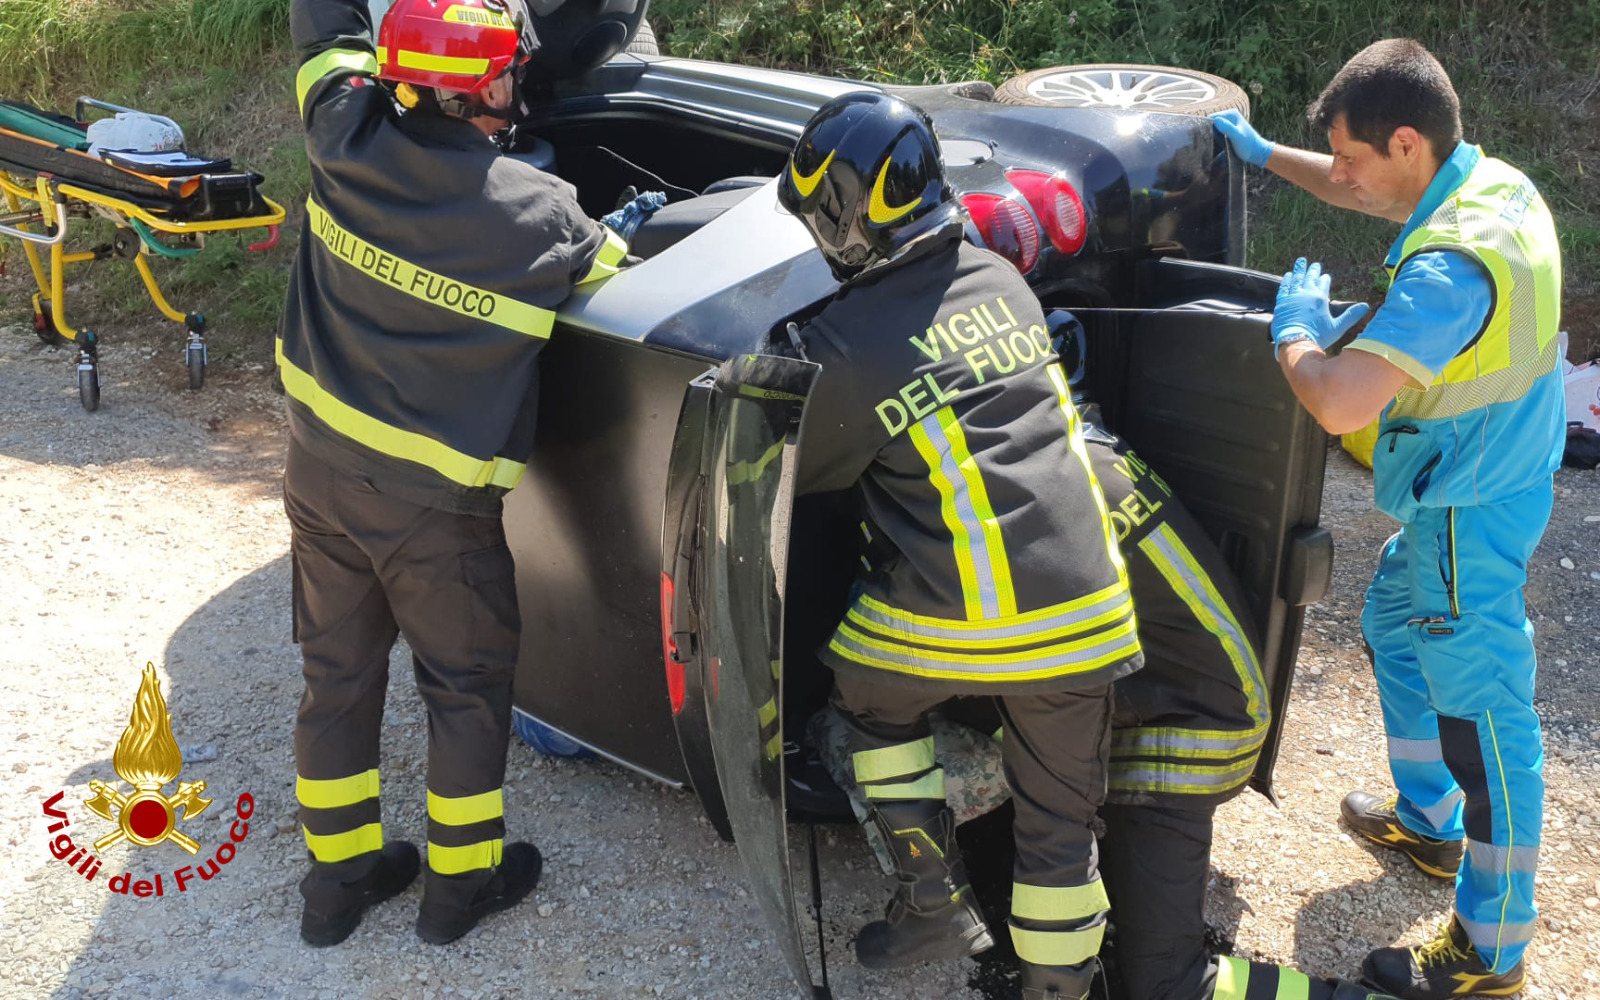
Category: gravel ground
[153,530]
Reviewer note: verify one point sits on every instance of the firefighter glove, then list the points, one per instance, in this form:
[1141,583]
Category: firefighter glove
[627,218]
[1247,142]
[1303,313]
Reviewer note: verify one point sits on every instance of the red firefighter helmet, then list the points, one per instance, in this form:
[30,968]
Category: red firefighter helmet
[458,45]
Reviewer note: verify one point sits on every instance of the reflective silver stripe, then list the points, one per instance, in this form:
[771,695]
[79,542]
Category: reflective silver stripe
[1197,591]
[1159,776]
[1502,860]
[1421,751]
[1442,813]
[1153,742]
[903,628]
[1493,937]
[961,498]
[1085,653]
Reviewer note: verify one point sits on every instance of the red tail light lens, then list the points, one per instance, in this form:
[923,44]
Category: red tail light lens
[669,649]
[1057,204]
[1006,228]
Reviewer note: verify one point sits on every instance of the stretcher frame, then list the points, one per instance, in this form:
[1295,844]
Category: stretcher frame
[40,217]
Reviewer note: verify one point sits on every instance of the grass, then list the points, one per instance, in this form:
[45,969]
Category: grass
[1528,72]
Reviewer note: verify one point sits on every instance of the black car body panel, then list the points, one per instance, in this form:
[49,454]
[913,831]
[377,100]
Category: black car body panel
[655,629]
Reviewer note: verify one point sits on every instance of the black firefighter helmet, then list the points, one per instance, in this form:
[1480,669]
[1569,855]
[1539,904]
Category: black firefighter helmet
[867,181]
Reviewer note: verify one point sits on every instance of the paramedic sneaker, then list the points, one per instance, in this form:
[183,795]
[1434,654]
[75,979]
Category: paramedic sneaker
[445,915]
[1375,819]
[333,908]
[1447,966]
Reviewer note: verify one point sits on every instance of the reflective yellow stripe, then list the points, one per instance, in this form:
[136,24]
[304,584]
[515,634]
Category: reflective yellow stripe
[1075,437]
[390,440]
[1172,741]
[453,65]
[455,860]
[1183,779]
[929,786]
[965,568]
[1193,585]
[740,473]
[767,712]
[609,260]
[331,793]
[993,544]
[1057,947]
[1073,902]
[1233,978]
[331,61]
[344,846]
[468,808]
[892,762]
[774,747]
[1293,985]
[999,633]
[425,285]
[1079,656]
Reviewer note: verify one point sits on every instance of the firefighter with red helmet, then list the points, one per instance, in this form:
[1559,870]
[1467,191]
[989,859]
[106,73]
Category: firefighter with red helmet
[420,299]
[996,569]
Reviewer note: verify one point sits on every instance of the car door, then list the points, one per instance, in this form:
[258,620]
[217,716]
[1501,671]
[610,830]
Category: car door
[753,421]
[1188,377]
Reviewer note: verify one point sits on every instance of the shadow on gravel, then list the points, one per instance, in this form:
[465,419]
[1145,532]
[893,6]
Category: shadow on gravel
[234,684]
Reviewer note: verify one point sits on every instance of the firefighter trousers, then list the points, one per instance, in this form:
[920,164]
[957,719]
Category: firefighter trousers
[1054,754]
[367,568]
[1452,650]
[1156,862]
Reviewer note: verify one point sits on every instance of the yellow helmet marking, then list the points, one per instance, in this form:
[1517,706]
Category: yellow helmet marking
[807,184]
[462,14]
[879,211]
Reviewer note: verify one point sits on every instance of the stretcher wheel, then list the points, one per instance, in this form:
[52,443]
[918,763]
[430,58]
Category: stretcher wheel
[89,386]
[195,357]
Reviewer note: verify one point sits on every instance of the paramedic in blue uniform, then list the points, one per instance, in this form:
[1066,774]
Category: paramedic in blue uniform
[1460,363]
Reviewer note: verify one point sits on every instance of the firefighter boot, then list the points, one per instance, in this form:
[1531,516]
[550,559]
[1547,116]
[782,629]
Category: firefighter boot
[1447,966]
[336,899]
[1376,820]
[1058,982]
[453,904]
[933,916]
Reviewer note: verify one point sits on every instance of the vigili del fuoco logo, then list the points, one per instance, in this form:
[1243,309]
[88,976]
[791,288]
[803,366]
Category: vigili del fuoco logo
[148,758]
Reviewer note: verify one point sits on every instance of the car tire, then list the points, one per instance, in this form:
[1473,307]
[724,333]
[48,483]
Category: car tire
[644,40]
[546,740]
[1125,87]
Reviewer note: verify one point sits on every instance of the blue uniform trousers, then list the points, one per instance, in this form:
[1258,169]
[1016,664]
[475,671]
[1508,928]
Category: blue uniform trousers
[1452,650]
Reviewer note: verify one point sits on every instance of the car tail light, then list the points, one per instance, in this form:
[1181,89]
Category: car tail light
[669,649]
[1006,227]
[1057,204]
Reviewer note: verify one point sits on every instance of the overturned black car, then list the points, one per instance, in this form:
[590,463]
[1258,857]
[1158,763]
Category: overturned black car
[669,611]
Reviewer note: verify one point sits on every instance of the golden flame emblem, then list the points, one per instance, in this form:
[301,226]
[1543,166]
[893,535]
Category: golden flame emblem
[147,757]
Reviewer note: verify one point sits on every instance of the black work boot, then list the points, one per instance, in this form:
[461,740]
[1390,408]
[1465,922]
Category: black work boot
[453,905]
[334,905]
[1058,982]
[1447,966]
[1376,820]
[933,916]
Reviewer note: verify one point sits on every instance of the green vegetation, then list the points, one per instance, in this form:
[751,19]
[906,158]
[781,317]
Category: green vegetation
[1528,72]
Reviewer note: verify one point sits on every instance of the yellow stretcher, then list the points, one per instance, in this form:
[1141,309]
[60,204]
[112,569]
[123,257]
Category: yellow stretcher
[161,205]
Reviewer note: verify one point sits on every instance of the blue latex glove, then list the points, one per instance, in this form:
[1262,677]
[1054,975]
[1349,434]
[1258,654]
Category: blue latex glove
[1302,312]
[1246,141]
[626,220]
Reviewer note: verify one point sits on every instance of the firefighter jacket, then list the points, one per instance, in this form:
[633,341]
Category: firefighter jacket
[1188,728]
[424,286]
[993,560]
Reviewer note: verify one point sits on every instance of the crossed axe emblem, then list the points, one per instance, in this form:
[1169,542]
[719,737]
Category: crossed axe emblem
[147,817]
